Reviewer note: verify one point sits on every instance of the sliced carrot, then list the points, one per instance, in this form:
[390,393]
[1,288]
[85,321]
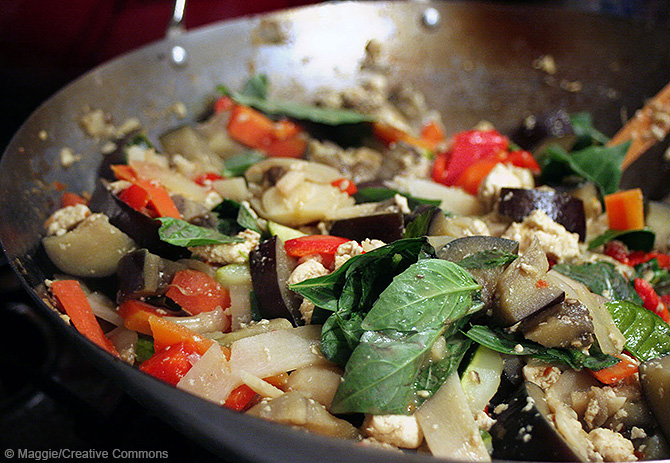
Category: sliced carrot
[158,198]
[389,134]
[625,368]
[72,199]
[72,299]
[166,333]
[625,209]
[250,127]
[432,132]
[472,176]
[289,148]
[136,315]
[124,172]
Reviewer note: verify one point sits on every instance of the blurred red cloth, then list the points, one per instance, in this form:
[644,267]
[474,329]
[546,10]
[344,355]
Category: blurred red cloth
[79,34]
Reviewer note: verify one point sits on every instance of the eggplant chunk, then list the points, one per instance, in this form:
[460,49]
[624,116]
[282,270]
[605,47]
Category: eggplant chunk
[538,128]
[522,288]
[459,249]
[567,324]
[92,249]
[387,227]
[655,382]
[562,208]
[524,431]
[270,268]
[143,274]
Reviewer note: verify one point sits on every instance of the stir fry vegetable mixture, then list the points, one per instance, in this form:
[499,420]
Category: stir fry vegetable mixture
[348,268]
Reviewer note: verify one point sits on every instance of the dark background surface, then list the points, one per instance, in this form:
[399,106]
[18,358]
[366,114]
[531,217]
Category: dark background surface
[50,397]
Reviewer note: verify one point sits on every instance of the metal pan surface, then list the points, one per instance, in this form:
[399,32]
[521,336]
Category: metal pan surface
[475,62]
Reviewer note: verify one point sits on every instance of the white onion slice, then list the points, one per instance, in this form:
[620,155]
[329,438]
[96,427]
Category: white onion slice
[210,377]
[204,322]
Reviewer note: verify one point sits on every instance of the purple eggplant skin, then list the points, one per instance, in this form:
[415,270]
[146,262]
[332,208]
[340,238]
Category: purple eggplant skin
[460,248]
[270,268]
[387,227]
[523,431]
[537,128]
[517,203]
[655,382]
[141,228]
[143,274]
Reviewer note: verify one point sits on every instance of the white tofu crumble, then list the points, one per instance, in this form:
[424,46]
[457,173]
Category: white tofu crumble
[230,253]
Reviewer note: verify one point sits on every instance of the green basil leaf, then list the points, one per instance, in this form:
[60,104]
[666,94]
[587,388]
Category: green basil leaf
[385,369]
[144,349]
[582,125]
[340,335]
[420,225]
[382,371]
[427,295]
[236,166]
[300,111]
[500,341]
[601,278]
[139,139]
[598,164]
[247,219]
[234,217]
[256,87]
[642,240]
[647,335]
[433,375]
[181,233]
[377,194]
[490,258]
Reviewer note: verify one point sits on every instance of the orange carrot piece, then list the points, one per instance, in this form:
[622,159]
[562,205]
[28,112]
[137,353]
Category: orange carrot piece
[432,132]
[389,134]
[72,299]
[166,333]
[250,127]
[625,209]
[159,198]
[72,199]
[136,314]
[289,148]
[610,375]
[472,177]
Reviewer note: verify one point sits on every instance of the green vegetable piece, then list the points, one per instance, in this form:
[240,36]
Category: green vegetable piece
[283,232]
[235,217]
[647,335]
[139,139]
[642,240]
[491,258]
[657,276]
[384,369]
[181,233]
[427,295]
[601,278]
[256,87]
[421,224]
[237,165]
[598,164]
[582,125]
[144,349]
[499,341]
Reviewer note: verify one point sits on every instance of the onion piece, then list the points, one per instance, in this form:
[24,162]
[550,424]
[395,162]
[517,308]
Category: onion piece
[210,378]
[448,425]
[103,307]
[205,322]
[236,278]
[269,354]
[454,200]
[125,341]
[316,382]
[234,188]
[609,336]
[260,386]
[263,326]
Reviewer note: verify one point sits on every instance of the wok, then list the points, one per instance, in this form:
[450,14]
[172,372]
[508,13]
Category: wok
[475,64]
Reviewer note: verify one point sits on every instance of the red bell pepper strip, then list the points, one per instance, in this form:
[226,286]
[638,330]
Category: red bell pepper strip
[72,299]
[345,185]
[197,292]
[650,299]
[207,178]
[293,147]
[239,398]
[171,363]
[223,104]
[626,367]
[135,196]
[468,148]
[313,244]
[159,199]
